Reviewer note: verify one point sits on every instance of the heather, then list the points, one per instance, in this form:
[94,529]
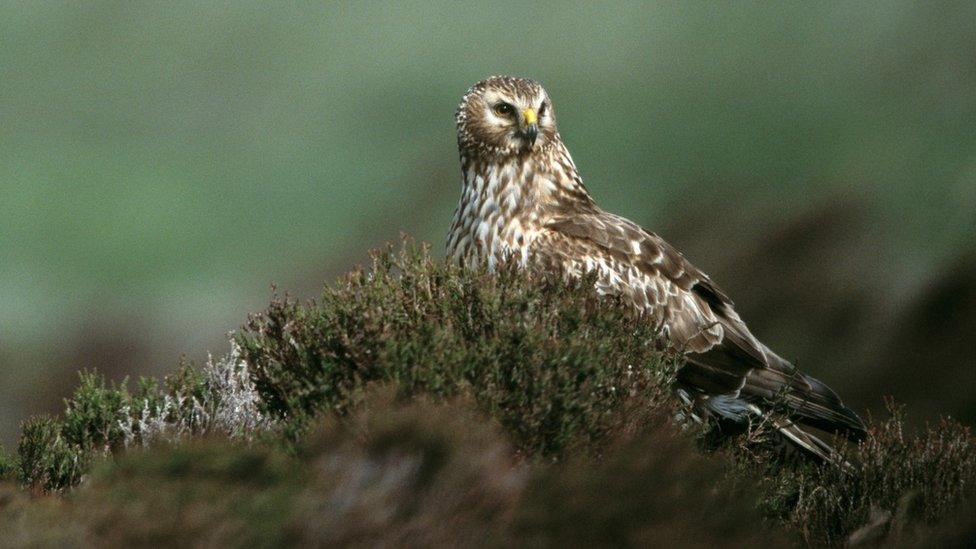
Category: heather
[414,403]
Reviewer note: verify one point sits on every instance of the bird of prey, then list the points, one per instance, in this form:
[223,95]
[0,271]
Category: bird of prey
[523,199]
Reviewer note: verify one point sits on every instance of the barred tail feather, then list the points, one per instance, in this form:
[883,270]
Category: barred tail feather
[806,441]
[739,412]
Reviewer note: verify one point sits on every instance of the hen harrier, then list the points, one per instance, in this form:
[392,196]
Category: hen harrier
[522,197]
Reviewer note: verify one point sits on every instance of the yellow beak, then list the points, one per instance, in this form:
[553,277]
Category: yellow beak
[530,117]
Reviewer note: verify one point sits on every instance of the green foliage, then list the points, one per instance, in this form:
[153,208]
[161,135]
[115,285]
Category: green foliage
[554,363]
[100,417]
[898,481]
[400,409]
[440,331]
[402,474]
[46,459]
[433,472]
[7,465]
[95,416]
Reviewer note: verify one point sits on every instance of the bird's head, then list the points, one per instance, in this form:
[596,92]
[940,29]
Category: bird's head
[504,116]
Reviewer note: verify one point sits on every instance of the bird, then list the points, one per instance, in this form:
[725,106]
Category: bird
[523,201]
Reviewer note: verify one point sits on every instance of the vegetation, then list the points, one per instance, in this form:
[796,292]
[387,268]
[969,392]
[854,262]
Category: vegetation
[419,404]
[552,363]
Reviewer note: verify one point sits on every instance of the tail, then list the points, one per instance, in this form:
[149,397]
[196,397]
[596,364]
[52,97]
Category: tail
[731,409]
[807,442]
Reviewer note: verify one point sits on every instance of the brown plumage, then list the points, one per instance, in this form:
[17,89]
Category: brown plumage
[522,198]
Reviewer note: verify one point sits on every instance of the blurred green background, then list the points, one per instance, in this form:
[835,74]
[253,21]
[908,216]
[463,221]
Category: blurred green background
[162,163]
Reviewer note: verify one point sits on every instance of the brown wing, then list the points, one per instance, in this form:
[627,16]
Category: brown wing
[723,357]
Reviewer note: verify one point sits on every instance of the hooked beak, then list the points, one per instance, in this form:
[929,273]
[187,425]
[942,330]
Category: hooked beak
[530,129]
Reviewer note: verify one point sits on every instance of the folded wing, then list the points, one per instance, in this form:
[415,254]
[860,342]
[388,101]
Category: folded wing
[725,362]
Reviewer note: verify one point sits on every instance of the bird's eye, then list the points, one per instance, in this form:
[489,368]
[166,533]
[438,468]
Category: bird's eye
[504,109]
[542,108]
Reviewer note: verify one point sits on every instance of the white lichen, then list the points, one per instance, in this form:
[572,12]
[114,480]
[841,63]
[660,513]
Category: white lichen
[229,405]
[234,401]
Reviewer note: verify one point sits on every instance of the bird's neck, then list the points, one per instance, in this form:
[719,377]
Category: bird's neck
[507,200]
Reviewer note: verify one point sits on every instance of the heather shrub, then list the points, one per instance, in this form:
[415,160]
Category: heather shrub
[428,472]
[418,404]
[551,361]
[101,418]
[7,464]
[898,483]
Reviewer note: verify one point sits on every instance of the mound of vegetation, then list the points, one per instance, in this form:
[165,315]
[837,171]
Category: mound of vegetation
[416,403]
